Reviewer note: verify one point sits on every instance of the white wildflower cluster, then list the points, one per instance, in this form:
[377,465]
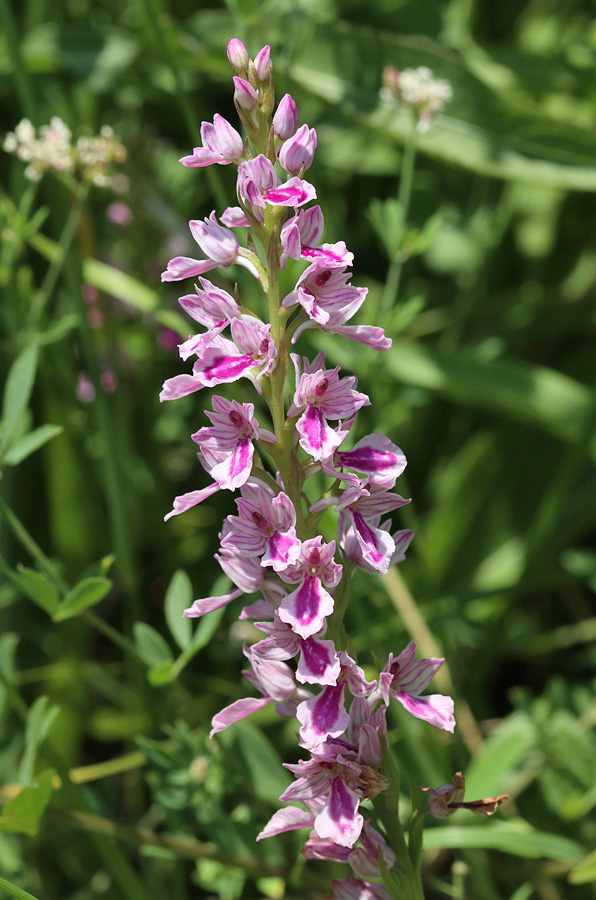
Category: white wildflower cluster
[418,89]
[52,149]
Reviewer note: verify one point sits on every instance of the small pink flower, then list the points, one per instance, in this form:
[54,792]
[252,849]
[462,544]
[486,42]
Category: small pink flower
[297,153]
[245,95]
[285,120]
[405,678]
[222,144]
[237,55]
[263,68]
[306,608]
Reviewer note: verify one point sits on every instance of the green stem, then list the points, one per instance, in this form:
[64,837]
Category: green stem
[68,233]
[404,195]
[32,547]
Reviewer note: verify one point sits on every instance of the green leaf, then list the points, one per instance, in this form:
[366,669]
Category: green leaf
[530,394]
[39,721]
[152,646]
[39,589]
[585,871]
[17,392]
[492,770]
[162,673]
[259,758]
[59,330]
[8,646]
[86,593]
[479,129]
[519,839]
[31,442]
[524,892]
[23,813]
[15,891]
[179,597]
[120,285]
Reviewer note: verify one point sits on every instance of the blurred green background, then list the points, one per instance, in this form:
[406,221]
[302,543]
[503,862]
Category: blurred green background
[111,788]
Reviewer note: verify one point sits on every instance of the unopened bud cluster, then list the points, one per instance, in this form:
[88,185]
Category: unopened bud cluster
[52,149]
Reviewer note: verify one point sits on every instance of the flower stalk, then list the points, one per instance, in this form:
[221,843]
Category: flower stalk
[271,547]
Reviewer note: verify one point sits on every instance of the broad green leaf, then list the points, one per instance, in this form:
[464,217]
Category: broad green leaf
[206,629]
[585,871]
[86,593]
[478,130]
[31,442]
[179,597]
[79,49]
[152,646]
[17,391]
[202,636]
[531,394]
[39,721]
[493,768]
[259,758]
[15,891]
[466,484]
[118,284]
[39,589]
[517,839]
[23,813]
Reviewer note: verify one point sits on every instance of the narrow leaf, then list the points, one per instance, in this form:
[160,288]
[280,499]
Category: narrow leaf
[15,891]
[517,839]
[38,588]
[179,597]
[585,872]
[152,646]
[31,442]
[17,391]
[86,593]
[39,721]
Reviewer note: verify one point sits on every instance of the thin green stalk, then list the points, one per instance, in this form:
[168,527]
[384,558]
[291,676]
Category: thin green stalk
[404,194]
[68,233]
[32,547]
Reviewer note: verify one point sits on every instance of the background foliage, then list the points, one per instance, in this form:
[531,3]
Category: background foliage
[110,786]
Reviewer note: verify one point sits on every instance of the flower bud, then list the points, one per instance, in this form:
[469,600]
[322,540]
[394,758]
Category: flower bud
[238,56]
[285,120]
[299,150]
[263,67]
[245,96]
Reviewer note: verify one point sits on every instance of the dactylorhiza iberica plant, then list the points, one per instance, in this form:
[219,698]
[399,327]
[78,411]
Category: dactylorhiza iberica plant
[271,545]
